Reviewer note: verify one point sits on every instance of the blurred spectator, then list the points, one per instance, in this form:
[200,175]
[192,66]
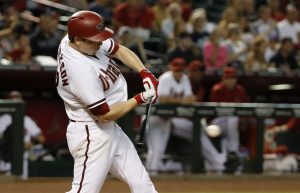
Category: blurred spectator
[249,11]
[214,52]
[246,35]
[237,5]
[199,27]
[276,11]
[32,136]
[173,24]
[255,61]
[265,25]
[237,49]
[187,8]
[7,38]
[135,14]
[160,11]
[21,49]
[45,39]
[183,49]
[127,38]
[224,155]
[104,8]
[289,27]
[174,88]
[229,15]
[285,59]
[272,48]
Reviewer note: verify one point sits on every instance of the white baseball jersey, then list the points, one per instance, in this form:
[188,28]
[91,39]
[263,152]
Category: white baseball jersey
[31,129]
[168,86]
[87,83]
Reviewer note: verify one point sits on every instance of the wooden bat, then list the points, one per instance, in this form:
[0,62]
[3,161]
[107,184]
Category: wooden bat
[140,138]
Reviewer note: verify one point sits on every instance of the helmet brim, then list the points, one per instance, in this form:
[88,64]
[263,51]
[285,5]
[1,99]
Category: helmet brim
[101,36]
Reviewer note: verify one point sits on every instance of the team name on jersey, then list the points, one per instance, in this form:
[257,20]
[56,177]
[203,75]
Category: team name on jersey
[62,73]
[110,73]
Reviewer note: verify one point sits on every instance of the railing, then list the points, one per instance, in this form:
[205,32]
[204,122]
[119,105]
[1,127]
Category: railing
[258,110]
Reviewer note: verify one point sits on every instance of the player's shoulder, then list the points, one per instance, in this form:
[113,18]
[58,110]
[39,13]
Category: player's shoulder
[165,75]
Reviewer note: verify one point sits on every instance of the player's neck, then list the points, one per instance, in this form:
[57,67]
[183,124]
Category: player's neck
[74,46]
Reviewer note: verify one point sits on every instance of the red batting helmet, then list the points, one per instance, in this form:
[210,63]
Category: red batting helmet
[88,25]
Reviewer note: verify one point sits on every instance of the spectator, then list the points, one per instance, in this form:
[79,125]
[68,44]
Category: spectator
[45,40]
[276,11]
[134,14]
[174,88]
[214,52]
[285,59]
[272,48]
[160,11]
[32,136]
[229,15]
[183,49]
[237,49]
[21,50]
[255,61]
[103,7]
[289,27]
[224,156]
[199,27]
[127,38]
[249,11]
[246,35]
[173,25]
[265,25]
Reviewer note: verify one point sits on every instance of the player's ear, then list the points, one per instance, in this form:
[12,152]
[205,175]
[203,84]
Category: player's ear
[77,41]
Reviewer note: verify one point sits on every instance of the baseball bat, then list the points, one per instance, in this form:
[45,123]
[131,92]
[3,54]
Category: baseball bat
[140,138]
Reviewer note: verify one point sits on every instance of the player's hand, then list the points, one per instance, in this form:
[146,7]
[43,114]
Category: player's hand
[146,96]
[149,80]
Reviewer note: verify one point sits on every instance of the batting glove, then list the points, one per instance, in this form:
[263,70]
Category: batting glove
[146,96]
[149,80]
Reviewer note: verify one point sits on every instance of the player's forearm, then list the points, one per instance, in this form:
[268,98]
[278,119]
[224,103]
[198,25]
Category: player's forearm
[129,58]
[118,110]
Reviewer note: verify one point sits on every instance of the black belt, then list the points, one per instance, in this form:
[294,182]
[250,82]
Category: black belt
[71,120]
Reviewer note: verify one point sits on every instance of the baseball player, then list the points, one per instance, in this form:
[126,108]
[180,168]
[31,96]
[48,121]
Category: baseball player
[32,135]
[174,88]
[95,95]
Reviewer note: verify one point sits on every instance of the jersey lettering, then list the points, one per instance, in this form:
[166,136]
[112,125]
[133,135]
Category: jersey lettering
[111,73]
[62,70]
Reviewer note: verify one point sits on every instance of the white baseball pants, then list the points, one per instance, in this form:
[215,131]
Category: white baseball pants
[99,149]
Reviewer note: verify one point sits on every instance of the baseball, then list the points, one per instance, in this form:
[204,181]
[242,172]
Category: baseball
[213,130]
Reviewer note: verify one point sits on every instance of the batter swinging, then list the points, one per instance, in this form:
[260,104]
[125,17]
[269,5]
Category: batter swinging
[95,95]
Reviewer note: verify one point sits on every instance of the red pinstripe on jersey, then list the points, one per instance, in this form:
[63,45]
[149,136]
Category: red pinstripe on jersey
[86,158]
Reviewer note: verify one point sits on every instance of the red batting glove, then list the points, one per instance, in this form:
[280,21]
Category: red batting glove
[149,80]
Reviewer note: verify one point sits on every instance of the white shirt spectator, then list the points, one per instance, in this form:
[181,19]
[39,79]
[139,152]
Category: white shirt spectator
[288,30]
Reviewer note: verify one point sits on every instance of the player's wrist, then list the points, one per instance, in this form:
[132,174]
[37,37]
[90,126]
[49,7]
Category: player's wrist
[138,99]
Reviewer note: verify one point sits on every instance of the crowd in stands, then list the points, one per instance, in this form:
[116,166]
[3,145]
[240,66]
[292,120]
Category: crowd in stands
[250,35]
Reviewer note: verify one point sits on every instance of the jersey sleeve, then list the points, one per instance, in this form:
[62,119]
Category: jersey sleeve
[86,86]
[110,46]
[31,127]
[5,121]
